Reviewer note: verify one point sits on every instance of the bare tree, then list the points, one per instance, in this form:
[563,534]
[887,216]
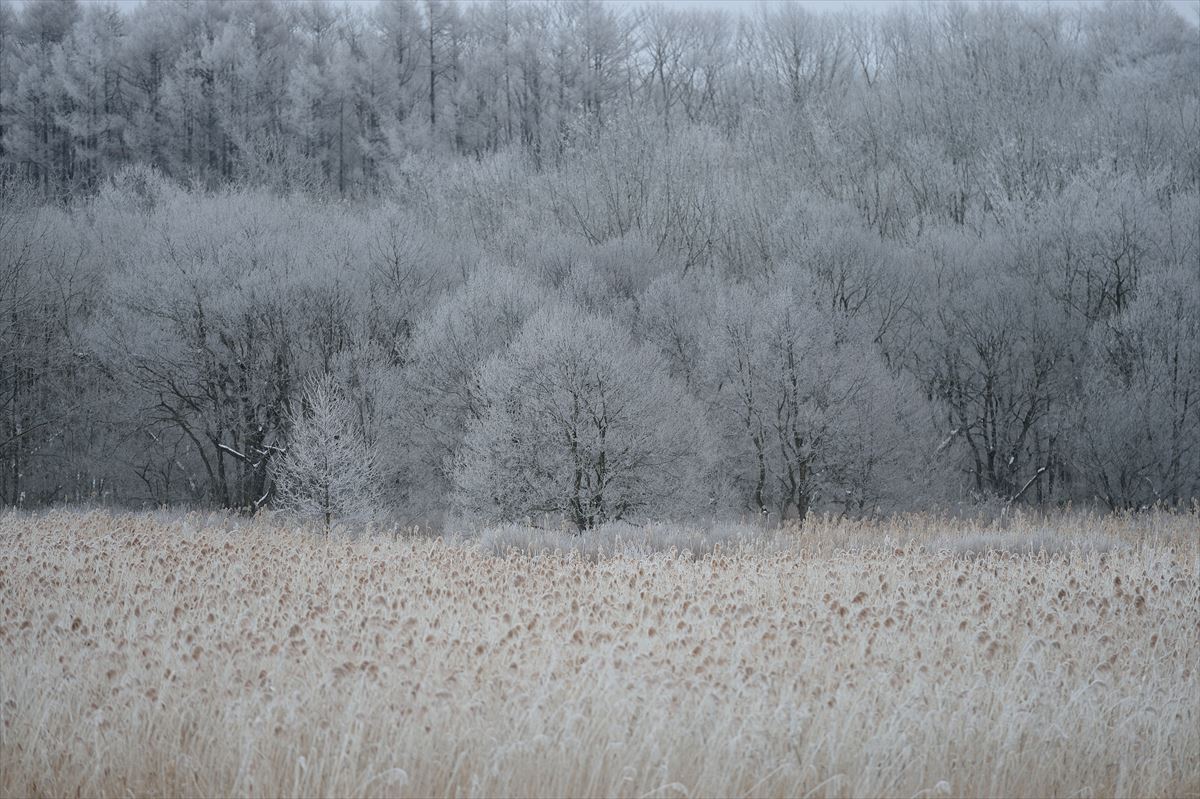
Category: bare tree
[584,422]
[1138,437]
[807,411]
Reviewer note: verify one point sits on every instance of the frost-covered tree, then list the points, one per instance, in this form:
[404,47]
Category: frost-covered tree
[87,69]
[996,353]
[1138,437]
[806,410]
[582,421]
[215,308]
[44,398]
[981,205]
[437,394]
[328,471]
[675,315]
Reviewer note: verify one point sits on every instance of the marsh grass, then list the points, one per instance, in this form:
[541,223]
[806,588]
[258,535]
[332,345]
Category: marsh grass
[209,655]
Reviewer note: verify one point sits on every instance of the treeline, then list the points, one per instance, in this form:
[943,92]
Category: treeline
[611,270]
[960,108]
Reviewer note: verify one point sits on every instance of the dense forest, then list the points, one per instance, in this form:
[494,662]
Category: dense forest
[596,261]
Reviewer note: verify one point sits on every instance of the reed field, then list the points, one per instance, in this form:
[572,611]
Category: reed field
[194,655]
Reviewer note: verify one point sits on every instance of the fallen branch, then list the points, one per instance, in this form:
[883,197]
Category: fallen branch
[1032,480]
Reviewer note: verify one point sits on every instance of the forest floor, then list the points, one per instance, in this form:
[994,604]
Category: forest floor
[192,655]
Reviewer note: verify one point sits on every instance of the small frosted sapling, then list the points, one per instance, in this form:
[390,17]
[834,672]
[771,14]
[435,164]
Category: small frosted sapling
[329,469]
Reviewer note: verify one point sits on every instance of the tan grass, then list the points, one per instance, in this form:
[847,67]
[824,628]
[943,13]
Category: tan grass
[176,656]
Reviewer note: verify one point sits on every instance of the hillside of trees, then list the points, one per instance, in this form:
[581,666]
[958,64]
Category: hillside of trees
[600,262]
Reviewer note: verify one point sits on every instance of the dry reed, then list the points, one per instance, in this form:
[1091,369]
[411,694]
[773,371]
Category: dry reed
[149,655]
